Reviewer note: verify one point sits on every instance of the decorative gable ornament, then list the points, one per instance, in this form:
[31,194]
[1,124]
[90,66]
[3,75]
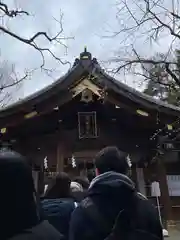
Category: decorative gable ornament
[85,85]
[87,96]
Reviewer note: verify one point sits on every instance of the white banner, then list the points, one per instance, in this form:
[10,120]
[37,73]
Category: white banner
[155,189]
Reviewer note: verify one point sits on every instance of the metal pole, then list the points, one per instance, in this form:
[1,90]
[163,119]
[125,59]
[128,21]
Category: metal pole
[159,209]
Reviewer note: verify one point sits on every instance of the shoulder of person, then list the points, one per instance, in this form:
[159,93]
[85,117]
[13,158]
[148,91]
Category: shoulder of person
[78,219]
[144,202]
[86,202]
[147,205]
[141,196]
[79,212]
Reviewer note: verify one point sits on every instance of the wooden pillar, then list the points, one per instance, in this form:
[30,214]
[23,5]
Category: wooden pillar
[35,175]
[140,180]
[40,185]
[165,198]
[132,173]
[60,158]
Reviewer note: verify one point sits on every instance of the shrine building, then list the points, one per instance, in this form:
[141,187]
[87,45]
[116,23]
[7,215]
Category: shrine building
[63,126]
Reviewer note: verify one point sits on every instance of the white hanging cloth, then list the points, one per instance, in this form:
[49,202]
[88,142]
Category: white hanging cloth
[155,189]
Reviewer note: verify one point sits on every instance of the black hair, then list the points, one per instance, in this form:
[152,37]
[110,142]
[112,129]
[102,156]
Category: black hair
[59,186]
[111,159]
[18,205]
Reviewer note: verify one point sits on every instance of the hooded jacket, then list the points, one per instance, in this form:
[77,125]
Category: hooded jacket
[111,192]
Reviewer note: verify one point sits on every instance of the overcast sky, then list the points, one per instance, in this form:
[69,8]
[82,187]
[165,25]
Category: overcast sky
[85,20]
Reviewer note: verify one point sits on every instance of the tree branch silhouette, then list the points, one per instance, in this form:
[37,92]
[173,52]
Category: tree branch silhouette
[149,20]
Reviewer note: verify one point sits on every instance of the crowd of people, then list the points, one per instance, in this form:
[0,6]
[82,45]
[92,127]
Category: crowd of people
[108,207]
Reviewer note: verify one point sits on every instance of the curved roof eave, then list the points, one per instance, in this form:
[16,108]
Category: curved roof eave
[93,67]
[40,93]
[133,93]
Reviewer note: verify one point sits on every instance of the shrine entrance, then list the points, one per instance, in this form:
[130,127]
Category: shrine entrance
[85,167]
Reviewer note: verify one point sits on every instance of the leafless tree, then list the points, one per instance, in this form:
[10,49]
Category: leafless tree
[150,21]
[10,83]
[33,42]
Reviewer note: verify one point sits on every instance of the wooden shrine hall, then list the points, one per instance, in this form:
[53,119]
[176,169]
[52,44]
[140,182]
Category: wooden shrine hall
[63,126]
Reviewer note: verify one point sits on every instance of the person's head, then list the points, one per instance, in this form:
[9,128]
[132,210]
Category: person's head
[111,159]
[18,209]
[83,181]
[59,186]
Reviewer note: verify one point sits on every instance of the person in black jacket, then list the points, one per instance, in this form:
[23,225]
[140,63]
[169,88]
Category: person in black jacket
[58,203]
[19,209]
[109,195]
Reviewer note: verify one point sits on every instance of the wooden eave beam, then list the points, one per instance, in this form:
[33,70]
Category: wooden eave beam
[133,106]
[14,120]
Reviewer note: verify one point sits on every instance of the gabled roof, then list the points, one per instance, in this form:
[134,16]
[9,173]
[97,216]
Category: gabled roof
[85,66]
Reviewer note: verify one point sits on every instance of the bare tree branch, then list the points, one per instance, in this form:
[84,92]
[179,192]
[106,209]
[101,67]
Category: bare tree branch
[162,24]
[173,75]
[17,81]
[10,13]
[149,19]
[127,62]
[33,41]
[10,82]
